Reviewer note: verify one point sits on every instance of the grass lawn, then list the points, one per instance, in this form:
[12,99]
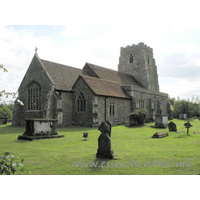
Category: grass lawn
[130,145]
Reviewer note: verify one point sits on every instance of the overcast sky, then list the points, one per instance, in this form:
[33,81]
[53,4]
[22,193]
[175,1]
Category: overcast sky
[171,28]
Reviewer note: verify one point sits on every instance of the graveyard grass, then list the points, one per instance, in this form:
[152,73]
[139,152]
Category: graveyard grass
[55,156]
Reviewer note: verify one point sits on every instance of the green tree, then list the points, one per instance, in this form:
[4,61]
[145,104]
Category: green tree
[195,109]
[5,112]
[3,92]
[172,101]
[185,107]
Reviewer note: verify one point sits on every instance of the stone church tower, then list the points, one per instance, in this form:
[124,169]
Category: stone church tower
[138,61]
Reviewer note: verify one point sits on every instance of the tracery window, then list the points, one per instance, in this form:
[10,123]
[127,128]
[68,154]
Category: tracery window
[81,103]
[131,58]
[34,96]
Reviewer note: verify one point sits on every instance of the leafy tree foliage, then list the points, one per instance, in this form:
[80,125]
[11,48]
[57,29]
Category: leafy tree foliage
[182,106]
[5,112]
[3,92]
[9,163]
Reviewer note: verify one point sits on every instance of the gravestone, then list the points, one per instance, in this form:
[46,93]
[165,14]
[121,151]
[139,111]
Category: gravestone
[172,127]
[160,134]
[104,142]
[188,126]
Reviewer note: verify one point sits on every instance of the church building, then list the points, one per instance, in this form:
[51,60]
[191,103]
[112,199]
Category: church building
[88,96]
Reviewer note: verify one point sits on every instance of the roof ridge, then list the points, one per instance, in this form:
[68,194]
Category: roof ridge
[111,70]
[59,64]
[99,79]
[102,67]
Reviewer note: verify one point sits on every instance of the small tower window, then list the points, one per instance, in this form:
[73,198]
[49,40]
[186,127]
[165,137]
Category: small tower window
[148,59]
[131,58]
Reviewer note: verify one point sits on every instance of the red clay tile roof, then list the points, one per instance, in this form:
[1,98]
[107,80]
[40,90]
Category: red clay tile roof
[112,75]
[62,76]
[104,87]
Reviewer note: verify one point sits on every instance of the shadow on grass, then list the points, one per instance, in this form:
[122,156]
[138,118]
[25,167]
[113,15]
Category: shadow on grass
[76,129]
[7,129]
[184,136]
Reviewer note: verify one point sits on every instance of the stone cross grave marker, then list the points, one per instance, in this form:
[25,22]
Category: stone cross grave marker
[188,125]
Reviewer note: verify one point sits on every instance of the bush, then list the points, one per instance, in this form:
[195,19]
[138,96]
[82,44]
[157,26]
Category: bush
[138,117]
[9,163]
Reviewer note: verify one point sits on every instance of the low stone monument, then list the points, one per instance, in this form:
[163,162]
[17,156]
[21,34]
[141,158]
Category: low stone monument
[161,120]
[40,129]
[172,127]
[182,116]
[160,134]
[104,142]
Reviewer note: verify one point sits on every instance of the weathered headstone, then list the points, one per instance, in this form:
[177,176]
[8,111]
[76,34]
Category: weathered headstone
[109,131]
[104,142]
[172,127]
[160,134]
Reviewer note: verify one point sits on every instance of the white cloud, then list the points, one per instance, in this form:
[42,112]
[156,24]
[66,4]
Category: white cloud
[176,53]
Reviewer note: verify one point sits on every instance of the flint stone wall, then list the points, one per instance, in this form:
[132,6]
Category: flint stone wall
[21,112]
[95,108]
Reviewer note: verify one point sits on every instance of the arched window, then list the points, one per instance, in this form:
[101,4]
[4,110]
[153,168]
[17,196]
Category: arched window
[81,103]
[34,96]
[131,58]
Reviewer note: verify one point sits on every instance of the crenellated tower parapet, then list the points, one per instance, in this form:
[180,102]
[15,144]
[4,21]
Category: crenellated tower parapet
[138,61]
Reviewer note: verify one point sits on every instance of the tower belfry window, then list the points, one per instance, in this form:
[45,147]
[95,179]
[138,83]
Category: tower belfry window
[131,58]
